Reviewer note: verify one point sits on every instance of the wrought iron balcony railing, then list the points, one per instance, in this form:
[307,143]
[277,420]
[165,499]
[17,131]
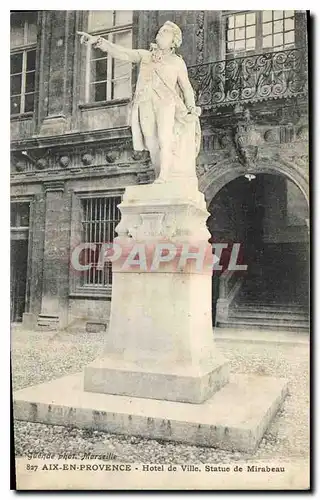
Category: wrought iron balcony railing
[252,78]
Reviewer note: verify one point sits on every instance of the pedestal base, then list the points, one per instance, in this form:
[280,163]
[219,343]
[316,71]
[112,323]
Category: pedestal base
[235,418]
[185,384]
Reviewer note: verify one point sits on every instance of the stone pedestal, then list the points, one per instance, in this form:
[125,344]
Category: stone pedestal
[160,343]
[161,375]
[234,418]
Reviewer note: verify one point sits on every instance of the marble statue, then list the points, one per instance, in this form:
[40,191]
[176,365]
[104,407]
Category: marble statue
[165,119]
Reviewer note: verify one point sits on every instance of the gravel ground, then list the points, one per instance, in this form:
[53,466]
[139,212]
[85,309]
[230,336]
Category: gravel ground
[39,357]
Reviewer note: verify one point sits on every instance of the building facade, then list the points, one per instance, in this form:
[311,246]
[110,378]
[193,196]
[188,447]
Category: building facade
[72,157]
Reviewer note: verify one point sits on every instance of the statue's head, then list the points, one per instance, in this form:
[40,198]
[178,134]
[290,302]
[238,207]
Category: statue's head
[169,36]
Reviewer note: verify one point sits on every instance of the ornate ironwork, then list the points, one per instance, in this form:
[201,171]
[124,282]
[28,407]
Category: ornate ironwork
[251,78]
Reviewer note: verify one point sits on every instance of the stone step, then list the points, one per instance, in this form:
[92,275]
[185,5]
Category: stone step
[272,308]
[234,418]
[264,324]
[257,314]
[271,302]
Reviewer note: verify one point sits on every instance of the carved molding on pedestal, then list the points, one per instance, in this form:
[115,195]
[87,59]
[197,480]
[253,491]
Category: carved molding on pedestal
[163,211]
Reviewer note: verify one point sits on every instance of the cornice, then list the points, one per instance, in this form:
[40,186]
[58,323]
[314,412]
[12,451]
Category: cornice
[114,135]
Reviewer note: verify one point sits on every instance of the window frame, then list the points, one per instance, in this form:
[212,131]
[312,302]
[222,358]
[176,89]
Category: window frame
[107,33]
[76,289]
[18,227]
[23,49]
[234,53]
[259,49]
[283,46]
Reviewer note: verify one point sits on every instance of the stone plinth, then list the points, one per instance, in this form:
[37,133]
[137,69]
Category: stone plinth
[234,418]
[160,343]
[180,383]
[161,375]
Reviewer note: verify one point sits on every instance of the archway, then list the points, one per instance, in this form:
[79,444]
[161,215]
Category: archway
[268,216]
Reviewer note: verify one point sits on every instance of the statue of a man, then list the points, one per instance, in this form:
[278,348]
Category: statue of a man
[164,101]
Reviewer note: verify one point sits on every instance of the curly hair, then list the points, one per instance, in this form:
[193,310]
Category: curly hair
[177,34]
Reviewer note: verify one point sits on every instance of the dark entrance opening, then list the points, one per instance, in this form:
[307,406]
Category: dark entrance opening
[19,264]
[268,216]
[19,258]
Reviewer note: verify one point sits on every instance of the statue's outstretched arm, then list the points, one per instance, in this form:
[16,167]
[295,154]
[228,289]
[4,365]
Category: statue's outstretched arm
[119,52]
[185,85]
[116,51]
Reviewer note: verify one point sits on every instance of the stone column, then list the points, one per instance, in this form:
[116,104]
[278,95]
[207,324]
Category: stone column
[59,32]
[213,35]
[55,258]
[36,238]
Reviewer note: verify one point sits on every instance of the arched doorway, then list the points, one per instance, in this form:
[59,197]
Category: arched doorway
[269,217]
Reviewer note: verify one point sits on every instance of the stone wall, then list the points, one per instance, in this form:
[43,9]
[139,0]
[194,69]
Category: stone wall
[84,310]
[72,147]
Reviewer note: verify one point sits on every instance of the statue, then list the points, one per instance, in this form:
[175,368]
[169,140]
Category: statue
[163,105]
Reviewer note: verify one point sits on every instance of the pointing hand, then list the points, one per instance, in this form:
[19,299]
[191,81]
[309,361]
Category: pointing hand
[87,39]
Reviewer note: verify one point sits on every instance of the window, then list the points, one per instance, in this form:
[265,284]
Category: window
[100,216]
[106,77]
[23,38]
[19,214]
[260,30]
[278,29]
[241,32]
